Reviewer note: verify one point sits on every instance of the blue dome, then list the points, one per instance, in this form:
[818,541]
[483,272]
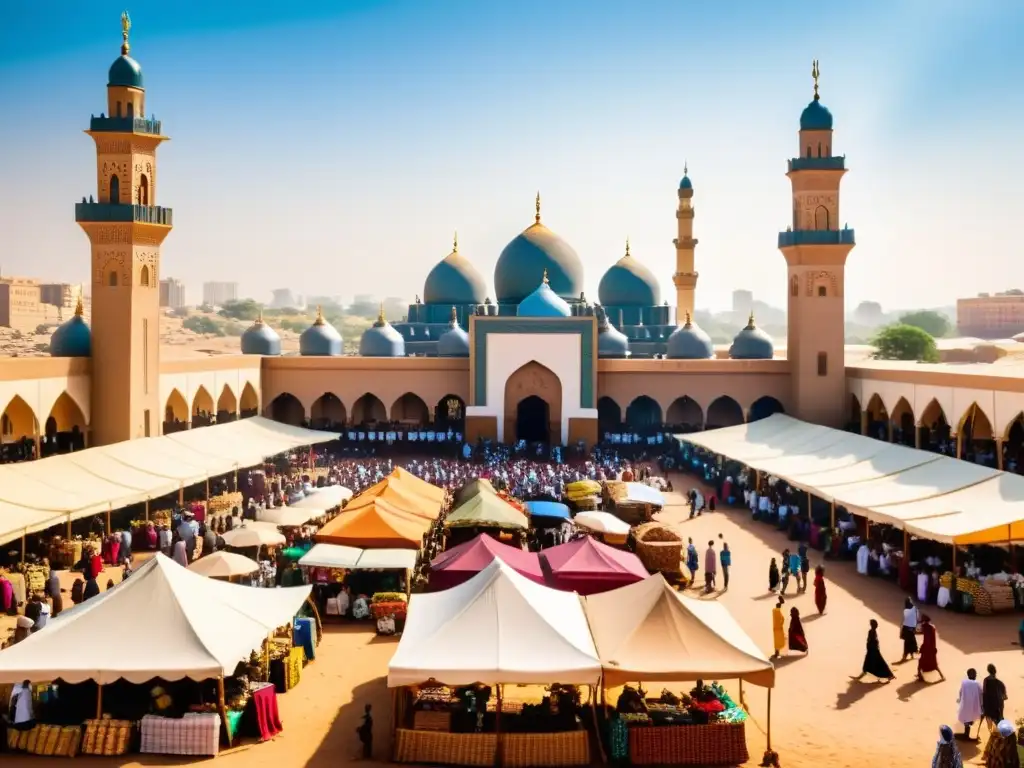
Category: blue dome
[381,340]
[321,339]
[752,344]
[73,338]
[454,342]
[689,342]
[685,183]
[816,117]
[454,280]
[534,250]
[125,71]
[260,339]
[628,283]
[611,342]
[544,302]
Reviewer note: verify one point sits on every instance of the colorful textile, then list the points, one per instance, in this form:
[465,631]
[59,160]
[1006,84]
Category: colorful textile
[262,719]
[304,635]
[194,734]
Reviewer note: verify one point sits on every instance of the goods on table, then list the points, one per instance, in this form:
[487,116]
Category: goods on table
[35,578]
[583,494]
[107,737]
[65,553]
[616,498]
[46,740]
[658,547]
[224,503]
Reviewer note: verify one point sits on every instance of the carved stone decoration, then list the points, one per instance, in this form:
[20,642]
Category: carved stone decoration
[794,286]
[815,278]
[106,262]
[110,235]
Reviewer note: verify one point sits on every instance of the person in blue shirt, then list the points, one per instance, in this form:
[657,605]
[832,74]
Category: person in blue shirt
[726,558]
[805,566]
[794,568]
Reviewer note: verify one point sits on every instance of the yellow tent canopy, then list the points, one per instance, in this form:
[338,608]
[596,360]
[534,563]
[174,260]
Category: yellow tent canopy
[374,526]
[421,486]
[398,494]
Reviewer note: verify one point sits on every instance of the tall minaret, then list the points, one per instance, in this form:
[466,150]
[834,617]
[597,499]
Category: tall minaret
[125,229]
[685,276]
[816,249]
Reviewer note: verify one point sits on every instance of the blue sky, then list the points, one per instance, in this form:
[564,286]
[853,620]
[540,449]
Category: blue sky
[333,147]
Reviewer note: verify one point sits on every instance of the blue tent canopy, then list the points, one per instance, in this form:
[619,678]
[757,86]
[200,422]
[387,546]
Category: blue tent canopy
[548,509]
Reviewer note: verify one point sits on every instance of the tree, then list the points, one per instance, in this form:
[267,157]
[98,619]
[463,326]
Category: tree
[246,309]
[203,325]
[905,342]
[935,324]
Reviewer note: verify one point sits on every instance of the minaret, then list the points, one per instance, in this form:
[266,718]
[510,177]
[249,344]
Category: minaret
[125,229]
[685,276]
[816,249]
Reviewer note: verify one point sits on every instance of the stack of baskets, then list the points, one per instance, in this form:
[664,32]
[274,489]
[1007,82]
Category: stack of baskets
[46,740]
[616,499]
[583,494]
[658,547]
[107,737]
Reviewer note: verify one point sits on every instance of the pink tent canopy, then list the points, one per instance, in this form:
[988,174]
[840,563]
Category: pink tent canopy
[587,566]
[461,563]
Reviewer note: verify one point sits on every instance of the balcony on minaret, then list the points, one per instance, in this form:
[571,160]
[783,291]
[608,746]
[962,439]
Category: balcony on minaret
[141,125]
[817,164]
[816,237]
[116,213]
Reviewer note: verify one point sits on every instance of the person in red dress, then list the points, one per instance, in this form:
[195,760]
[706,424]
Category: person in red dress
[797,638]
[820,597]
[928,661]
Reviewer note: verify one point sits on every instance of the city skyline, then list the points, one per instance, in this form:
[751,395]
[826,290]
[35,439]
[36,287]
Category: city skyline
[357,137]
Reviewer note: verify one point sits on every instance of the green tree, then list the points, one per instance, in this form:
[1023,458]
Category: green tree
[935,324]
[203,325]
[246,309]
[905,342]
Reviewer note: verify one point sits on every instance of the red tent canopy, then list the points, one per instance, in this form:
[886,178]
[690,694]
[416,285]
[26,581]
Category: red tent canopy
[461,563]
[587,566]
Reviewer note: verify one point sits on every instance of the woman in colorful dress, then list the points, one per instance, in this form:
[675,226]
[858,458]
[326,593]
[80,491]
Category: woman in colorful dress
[820,597]
[797,638]
[947,753]
[1001,749]
[778,629]
[928,661]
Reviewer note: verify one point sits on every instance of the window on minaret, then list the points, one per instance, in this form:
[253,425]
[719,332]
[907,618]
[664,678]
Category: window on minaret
[115,190]
[823,363]
[143,194]
[112,278]
[144,277]
[821,217]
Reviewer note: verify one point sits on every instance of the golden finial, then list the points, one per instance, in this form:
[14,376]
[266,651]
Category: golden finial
[126,27]
[544,280]
[815,73]
[79,307]
[536,209]
[319,316]
[380,317]
[686,168]
[688,322]
[627,247]
[259,317]
[455,242]
[750,321]
[455,316]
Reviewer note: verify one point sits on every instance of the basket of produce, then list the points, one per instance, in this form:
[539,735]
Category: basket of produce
[616,499]
[224,503]
[107,737]
[658,547]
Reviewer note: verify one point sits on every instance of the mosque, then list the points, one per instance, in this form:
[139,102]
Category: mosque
[539,361]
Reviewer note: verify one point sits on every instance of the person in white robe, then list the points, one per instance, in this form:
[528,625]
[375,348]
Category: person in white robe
[862,560]
[969,702]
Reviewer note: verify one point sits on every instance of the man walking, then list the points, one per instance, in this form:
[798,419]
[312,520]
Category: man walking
[710,567]
[726,557]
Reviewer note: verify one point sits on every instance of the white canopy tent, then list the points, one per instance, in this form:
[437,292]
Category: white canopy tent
[224,565]
[355,559]
[194,627]
[320,500]
[286,517]
[929,495]
[602,522]
[498,627]
[38,494]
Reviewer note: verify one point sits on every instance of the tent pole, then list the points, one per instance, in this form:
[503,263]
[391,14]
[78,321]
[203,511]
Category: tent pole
[99,701]
[769,729]
[832,516]
[954,561]
[23,549]
[742,702]
[499,758]
[207,492]
[147,510]
[222,710]
[69,527]
[108,521]
[181,495]
[597,726]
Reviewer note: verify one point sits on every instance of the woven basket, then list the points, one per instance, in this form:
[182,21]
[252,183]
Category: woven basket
[432,720]
[656,532]
[476,749]
[525,750]
[724,744]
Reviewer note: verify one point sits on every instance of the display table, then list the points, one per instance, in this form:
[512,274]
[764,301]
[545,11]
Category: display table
[476,749]
[723,744]
[194,734]
[262,719]
[523,750]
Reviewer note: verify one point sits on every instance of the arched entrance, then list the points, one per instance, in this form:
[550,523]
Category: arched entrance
[64,431]
[328,412]
[643,415]
[764,407]
[227,406]
[609,417]
[902,420]
[685,414]
[202,409]
[287,409]
[450,413]
[369,409]
[175,413]
[250,403]
[18,430]
[536,381]
[933,427]
[724,412]
[410,411]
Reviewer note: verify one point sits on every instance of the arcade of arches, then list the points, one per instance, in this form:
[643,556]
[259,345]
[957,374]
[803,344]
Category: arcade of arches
[408,411]
[972,437]
[204,411]
[643,415]
[22,437]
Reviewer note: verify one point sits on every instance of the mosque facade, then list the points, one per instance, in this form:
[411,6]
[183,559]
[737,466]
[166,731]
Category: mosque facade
[536,360]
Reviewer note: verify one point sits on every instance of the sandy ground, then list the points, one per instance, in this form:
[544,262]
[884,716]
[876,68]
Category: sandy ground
[819,716]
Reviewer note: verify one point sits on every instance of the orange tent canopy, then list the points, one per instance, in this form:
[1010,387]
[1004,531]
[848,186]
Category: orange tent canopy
[421,486]
[400,495]
[375,525]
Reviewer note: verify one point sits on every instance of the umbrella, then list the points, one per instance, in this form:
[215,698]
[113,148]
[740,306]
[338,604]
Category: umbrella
[223,565]
[253,536]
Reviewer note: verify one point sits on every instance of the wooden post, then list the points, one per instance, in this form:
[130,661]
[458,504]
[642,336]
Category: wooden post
[222,709]
[768,730]
[743,702]
[498,756]
[99,701]
[832,515]
[954,560]
[809,504]
[863,422]
[69,527]
[999,454]
[917,436]
[597,725]
[890,430]
[147,510]
[959,443]
[108,521]
[181,495]
[906,544]
[207,492]
[23,549]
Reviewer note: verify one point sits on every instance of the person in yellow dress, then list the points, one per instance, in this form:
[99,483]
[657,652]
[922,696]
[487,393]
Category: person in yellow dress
[778,628]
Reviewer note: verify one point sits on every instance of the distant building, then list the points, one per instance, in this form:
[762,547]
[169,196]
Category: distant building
[218,294]
[172,293]
[742,302]
[869,313]
[991,316]
[283,297]
[25,303]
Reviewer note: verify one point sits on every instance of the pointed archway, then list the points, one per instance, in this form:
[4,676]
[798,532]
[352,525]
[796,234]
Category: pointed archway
[643,414]
[249,403]
[724,412]
[902,420]
[65,427]
[933,426]
[175,413]
[450,413]
[227,406]
[609,417]
[533,380]
[203,413]
[369,409]
[685,414]
[19,428]
[287,409]
[764,407]
[410,411]
[327,412]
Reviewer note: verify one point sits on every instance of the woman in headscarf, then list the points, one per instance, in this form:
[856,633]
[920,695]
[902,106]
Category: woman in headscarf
[908,629]
[180,554]
[773,579]
[820,597]
[778,629]
[947,754]
[1001,749]
[874,663]
[92,588]
[797,639]
[928,661]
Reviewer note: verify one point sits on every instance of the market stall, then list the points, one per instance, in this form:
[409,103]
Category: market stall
[375,525]
[224,565]
[486,510]
[649,632]
[474,488]
[401,494]
[488,629]
[634,503]
[196,628]
[612,529]
[658,547]
[583,495]
[586,566]
[461,563]
[547,513]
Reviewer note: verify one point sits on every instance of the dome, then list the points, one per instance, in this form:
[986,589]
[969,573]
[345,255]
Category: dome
[544,302]
[454,280]
[628,283]
[454,342]
[125,71]
[260,339]
[816,117]
[689,342]
[611,342]
[534,250]
[685,183]
[752,344]
[381,340]
[73,338]
[320,339]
